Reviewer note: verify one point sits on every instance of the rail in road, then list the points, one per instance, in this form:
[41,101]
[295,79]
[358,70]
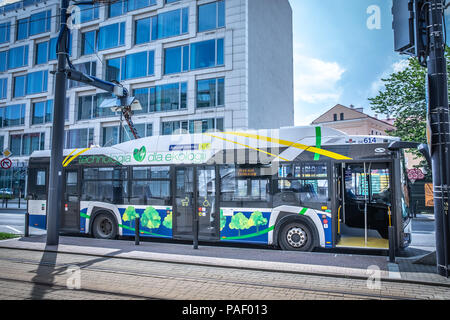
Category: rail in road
[163,280]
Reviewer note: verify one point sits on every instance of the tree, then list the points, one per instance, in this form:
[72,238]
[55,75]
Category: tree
[257,219]
[130,215]
[239,222]
[168,221]
[404,98]
[151,218]
[223,220]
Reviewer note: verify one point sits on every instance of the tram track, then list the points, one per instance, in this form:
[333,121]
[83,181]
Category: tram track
[309,290]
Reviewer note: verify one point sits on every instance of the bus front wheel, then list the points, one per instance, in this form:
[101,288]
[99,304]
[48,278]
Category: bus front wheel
[296,236]
[104,227]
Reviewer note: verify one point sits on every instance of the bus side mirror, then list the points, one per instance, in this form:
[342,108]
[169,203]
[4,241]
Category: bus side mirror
[425,151]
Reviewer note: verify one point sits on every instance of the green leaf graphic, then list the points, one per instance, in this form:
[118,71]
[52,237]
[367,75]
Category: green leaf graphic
[139,154]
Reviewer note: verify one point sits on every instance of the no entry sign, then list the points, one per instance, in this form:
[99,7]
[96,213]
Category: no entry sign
[6,163]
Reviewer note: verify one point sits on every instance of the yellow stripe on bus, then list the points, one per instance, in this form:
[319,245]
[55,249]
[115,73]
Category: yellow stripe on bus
[246,146]
[323,152]
[73,157]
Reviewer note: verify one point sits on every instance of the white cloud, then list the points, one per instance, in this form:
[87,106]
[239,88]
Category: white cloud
[378,85]
[316,81]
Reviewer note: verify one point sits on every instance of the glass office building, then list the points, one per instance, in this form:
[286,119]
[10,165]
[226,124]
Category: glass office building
[195,65]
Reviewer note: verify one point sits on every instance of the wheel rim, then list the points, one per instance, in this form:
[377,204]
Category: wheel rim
[296,237]
[105,227]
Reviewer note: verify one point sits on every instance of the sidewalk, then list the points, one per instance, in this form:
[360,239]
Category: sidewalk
[324,264]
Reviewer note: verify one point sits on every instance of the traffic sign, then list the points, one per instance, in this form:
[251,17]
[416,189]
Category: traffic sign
[7,153]
[6,163]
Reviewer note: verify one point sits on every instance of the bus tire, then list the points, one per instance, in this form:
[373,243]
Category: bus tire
[297,235]
[104,226]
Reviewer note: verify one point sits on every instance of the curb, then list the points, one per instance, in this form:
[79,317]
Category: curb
[393,275]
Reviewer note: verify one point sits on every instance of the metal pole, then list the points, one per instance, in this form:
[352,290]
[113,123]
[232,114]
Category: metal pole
[136,231]
[120,127]
[55,177]
[438,115]
[27,224]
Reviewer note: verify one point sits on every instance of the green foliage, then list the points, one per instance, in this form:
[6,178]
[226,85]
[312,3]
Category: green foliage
[404,98]
[151,218]
[240,222]
[130,214]
[223,220]
[168,221]
[257,219]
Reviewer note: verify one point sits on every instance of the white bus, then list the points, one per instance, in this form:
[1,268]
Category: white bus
[297,188]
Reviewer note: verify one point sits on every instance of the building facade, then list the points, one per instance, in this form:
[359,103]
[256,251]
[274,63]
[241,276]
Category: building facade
[353,121]
[194,65]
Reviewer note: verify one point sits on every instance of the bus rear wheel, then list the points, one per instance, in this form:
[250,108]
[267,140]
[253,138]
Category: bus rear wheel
[104,227]
[296,236]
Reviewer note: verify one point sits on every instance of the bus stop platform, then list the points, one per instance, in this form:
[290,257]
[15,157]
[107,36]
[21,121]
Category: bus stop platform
[326,263]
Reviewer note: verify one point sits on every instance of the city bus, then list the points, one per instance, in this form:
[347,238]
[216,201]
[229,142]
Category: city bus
[295,188]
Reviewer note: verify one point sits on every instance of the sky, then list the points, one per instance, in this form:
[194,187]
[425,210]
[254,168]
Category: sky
[337,57]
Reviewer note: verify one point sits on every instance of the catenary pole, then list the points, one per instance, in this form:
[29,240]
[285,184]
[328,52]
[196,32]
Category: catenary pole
[56,158]
[438,115]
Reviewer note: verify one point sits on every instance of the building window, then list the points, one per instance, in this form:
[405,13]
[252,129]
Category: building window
[19,86]
[3,88]
[205,54]
[37,82]
[88,12]
[13,115]
[211,16]
[78,138]
[191,126]
[42,112]
[5,31]
[35,24]
[342,116]
[164,25]
[210,93]
[118,8]
[162,98]
[3,60]
[46,51]
[88,68]
[111,134]
[17,57]
[136,65]
[121,7]
[88,42]
[146,30]
[25,144]
[171,1]
[40,22]
[89,107]
[111,36]
[335,117]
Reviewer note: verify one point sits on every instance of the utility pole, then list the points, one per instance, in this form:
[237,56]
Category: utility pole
[56,158]
[123,102]
[418,31]
[438,118]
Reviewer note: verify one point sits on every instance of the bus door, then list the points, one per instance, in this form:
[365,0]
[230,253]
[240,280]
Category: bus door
[364,206]
[70,217]
[195,194]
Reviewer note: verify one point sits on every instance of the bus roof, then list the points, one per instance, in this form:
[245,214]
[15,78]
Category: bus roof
[284,144]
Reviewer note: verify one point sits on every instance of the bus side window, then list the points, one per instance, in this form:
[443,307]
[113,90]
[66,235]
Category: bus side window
[40,178]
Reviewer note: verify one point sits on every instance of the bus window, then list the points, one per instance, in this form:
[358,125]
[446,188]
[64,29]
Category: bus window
[105,184]
[150,185]
[299,192]
[40,178]
[245,186]
[302,184]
